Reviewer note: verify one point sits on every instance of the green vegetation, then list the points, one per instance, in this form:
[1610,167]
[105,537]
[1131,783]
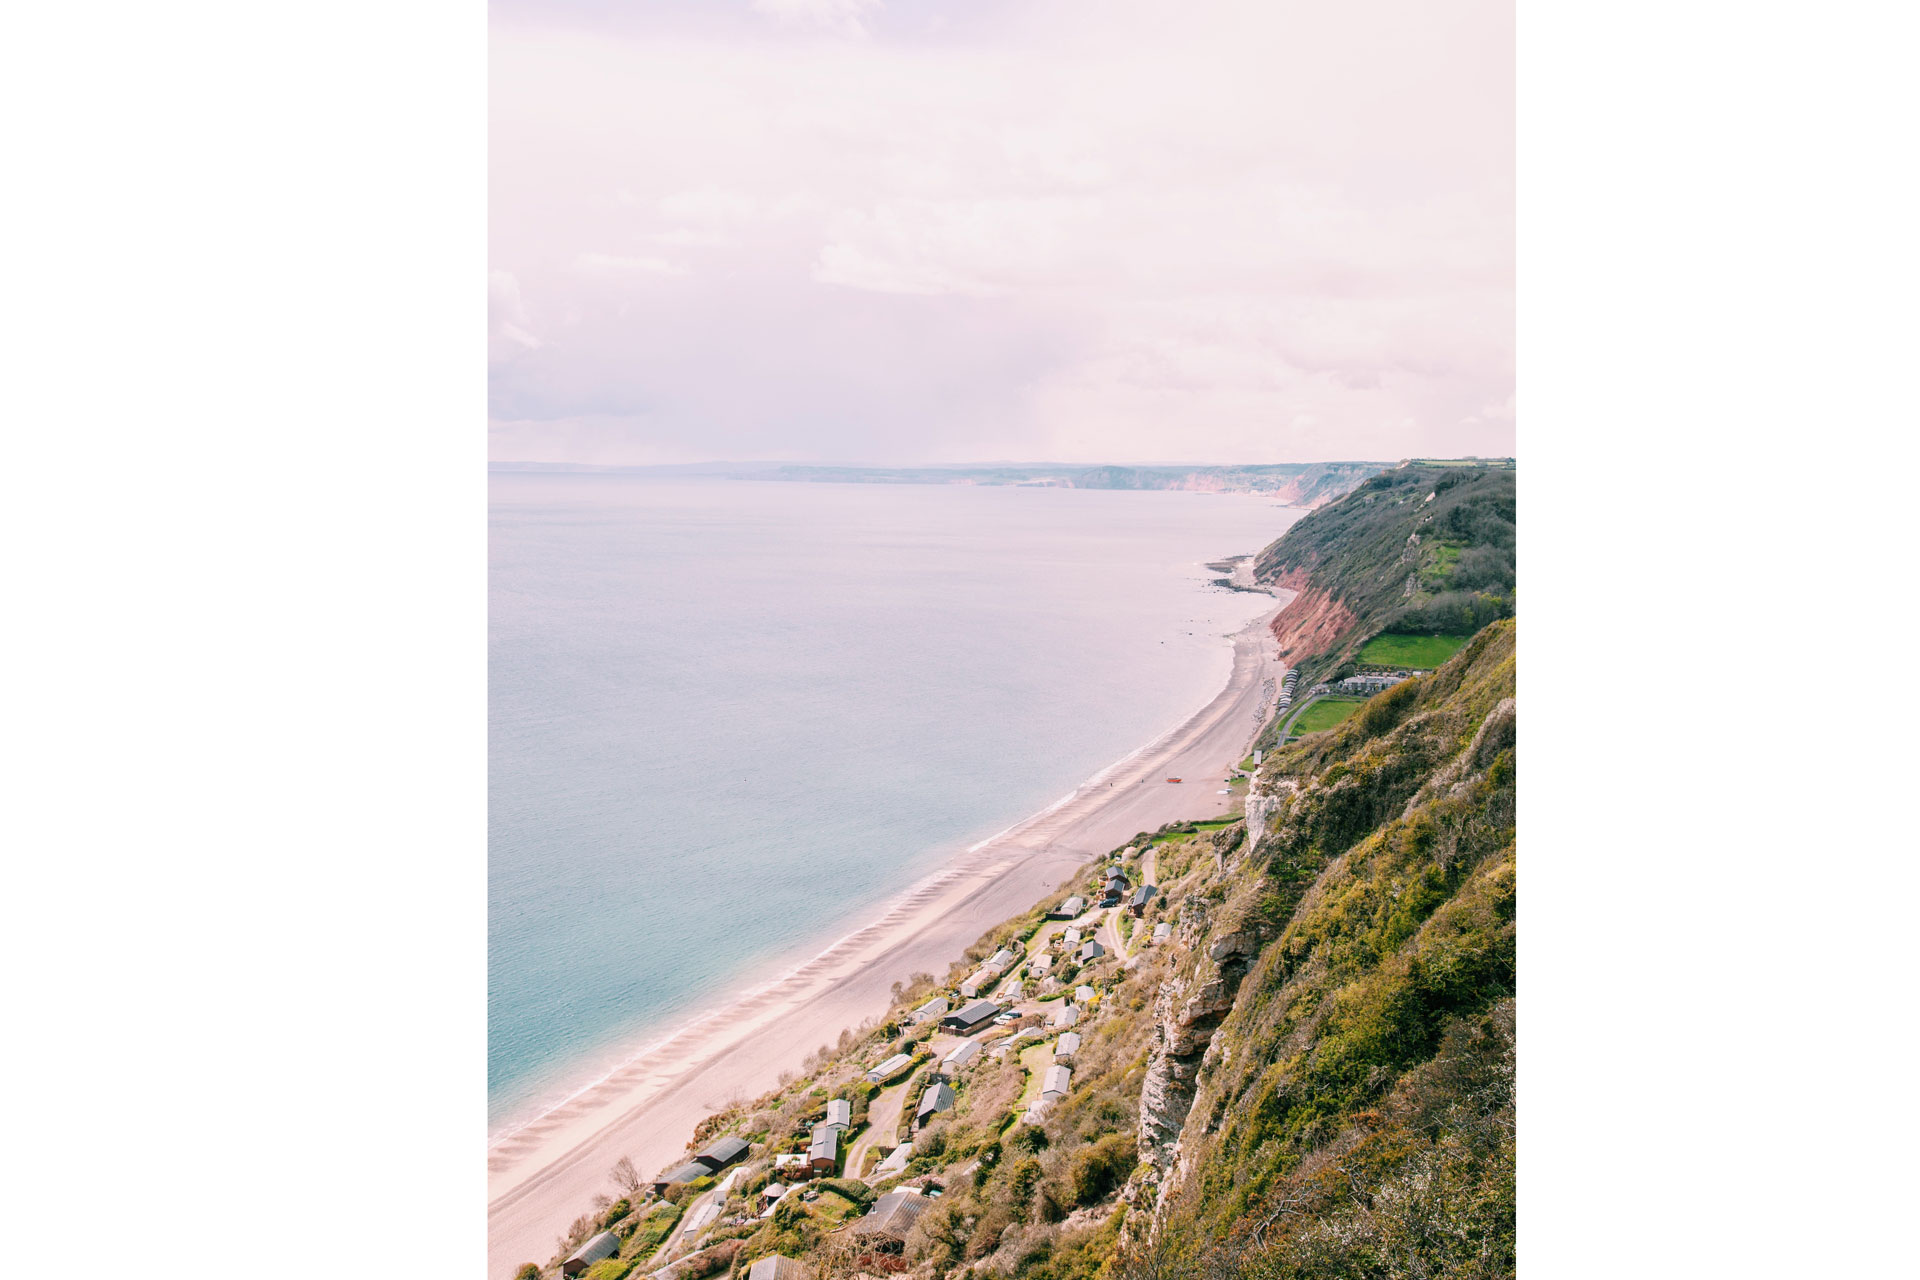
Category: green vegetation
[1325,714]
[1423,653]
[1423,550]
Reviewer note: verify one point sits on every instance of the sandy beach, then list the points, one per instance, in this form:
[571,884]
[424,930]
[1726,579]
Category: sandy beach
[544,1174]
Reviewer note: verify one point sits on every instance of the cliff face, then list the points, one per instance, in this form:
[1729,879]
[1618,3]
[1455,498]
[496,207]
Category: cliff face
[1312,621]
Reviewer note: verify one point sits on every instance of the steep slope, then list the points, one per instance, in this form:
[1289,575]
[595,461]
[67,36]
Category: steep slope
[1419,549]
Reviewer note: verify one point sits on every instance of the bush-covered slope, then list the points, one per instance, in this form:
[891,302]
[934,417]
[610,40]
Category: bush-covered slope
[1417,549]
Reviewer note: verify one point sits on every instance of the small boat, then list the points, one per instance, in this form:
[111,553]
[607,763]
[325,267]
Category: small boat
[1173,779]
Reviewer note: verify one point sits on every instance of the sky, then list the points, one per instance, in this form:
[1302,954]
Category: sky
[924,231]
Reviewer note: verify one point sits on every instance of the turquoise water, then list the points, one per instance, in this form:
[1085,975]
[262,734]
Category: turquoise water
[729,718]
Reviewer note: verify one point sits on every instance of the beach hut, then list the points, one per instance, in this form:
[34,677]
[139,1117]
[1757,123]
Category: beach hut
[1069,909]
[1141,896]
[604,1245]
[890,1068]
[779,1267]
[1040,965]
[1065,1016]
[840,1113]
[931,1009]
[896,1162]
[1083,994]
[1071,938]
[792,1165]
[972,1017]
[999,961]
[1013,991]
[1092,951]
[884,1227]
[823,1153]
[700,1219]
[932,1103]
[1066,1046]
[978,982]
[684,1173]
[1059,1080]
[722,1153]
[962,1054]
[1162,931]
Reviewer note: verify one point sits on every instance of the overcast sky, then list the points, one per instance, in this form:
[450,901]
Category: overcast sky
[900,231]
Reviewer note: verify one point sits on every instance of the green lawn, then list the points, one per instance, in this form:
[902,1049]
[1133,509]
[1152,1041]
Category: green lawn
[1325,714]
[1423,652]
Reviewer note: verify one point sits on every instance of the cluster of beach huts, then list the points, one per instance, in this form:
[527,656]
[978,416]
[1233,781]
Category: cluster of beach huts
[1287,684]
[884,1227]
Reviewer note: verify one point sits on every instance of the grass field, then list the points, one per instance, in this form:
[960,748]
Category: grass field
[1325,714]
[1424,652]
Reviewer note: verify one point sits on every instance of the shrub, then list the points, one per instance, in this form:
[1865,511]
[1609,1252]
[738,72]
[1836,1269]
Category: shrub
[527,1271]
[1099,1168]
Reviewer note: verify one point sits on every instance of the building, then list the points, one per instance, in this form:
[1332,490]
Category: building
[1083,993]
[932,1103]
[1071,937]
[1066,1046]
[1162,931]
[702,1218]
[999,961]
[1059,1080]
[1041,964]
[931,1009]
[1368,685]
[1091,952]
[1015,990]
[840,1114]
[1141,897]
[977,982]
[1069,909]
[896,1162]
[1065,1016]
[684,1173]
[890,1068]
[823,1153]
[604,1245]
[779,1267]
[884,1227]
[722,1153]
[962,1054]
[1116,883]
[792,1166]
[971,1018]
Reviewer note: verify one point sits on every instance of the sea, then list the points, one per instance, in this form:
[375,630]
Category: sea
[729,718]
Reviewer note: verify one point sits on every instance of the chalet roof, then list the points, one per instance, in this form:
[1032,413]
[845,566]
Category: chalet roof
[935,1100]
[978,1011]
[962,1053]
[840,1113]
[893,1214]
[1067,1045]
[685,1173]
[604,1245]
[1092,951]
[825,1144]
[1143,894]
[779,1267]
[1059,1079]
[723,1152]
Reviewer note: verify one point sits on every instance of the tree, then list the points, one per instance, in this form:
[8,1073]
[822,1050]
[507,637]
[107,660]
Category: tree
[626,1177]
[527,1271]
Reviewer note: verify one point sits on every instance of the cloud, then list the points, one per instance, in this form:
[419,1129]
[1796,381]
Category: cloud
[607,263]
[841,15]
[1241,231]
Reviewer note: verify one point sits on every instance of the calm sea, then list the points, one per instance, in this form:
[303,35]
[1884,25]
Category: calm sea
[727,719]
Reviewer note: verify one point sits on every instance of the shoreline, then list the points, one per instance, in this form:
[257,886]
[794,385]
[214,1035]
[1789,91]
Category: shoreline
[544,1171]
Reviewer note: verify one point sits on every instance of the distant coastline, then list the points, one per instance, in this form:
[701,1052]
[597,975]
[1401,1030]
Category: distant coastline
[1296,484]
